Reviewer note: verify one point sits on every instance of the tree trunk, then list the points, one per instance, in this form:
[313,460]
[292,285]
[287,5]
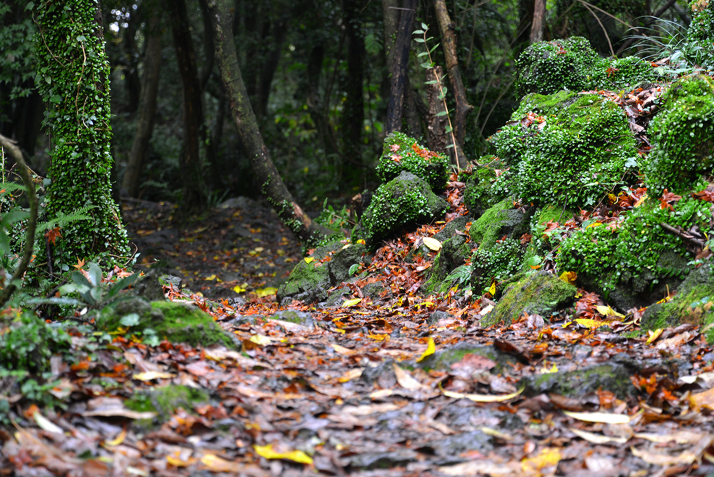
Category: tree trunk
[436,123]
[147,103]
[273,187]
[448,40]
[399,66]
[538,21]
[190,160]
[390,12]
[353,113]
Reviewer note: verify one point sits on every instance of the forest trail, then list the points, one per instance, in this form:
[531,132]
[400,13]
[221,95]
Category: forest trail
[402,386]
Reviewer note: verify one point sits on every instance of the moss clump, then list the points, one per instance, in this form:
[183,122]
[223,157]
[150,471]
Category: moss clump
[566,149]
[622,73]
[175,322]
[699,47]
[499,262]
[638,253]
[682,136]
[400,203]
[478,193]
[305,279]
[693,303]
[611,376]
[166,399]
[402,153]
[443,359]
[501,219]
[537,293]
[552,213]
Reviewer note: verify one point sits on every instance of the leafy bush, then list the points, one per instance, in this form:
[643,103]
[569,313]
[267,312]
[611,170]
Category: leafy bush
[497,263]
[27,342]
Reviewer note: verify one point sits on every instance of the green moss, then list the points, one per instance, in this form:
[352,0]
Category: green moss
[499,262]
[622,74]
[400,203]
[682,136]
[444,358]
[537,293]
[166,399]
[612,377]
[402,153]
[453,254]
[479,195]
[638,249]
[565,149]
[487,229]
[304,277]
[699,47]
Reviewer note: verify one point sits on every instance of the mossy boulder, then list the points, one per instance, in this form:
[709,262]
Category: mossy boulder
[453,254]
[444,358]
[176,322]
[575,383]
[499,262]
[692,304]
[343,260]
[632,263]
[479,196]
[682,136]
[399,204]
[566,149]
[402,153]
[165,400]
[500,220]
[450,229]
[537,293]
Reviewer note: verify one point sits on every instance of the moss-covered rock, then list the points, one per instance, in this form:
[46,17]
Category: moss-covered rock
[633,264]
[444,358]
[308,282]
[402,153]
[165,400]
[343,260]
[613,377]
[692,304]
[499,262]
[400,203]
[450,229]
[479,196]
[453,253]
[176,322]
[566,149]
[500,220]
[537,293]
[682,136]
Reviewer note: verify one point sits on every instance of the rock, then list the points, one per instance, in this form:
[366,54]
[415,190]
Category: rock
[298,317]
[501,262]
[373,291]
[614,377]
[150,288]
[442,359]
[176,322]
[244,203]
[453,254]
[459,223]
[692,304]
[538,293]
[479,196]
[165,400]
[402,153]
[170,280]
[337,298]
[383,460]
[403,202]
[453,446]
[438,315]
[499,221]
[682,137]
[342,261]
[241,320]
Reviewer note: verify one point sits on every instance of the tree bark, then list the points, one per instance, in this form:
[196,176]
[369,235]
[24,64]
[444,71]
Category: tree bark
[448,41]
[436,124]
[538,21]
[147,103]
[273,187]
[399,66]
[190,160]
[353,113]
[390,12]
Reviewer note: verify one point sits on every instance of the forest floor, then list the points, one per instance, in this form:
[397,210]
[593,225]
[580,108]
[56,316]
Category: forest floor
[401,386]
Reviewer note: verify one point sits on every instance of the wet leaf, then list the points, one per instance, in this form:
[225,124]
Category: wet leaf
[548,457]
[217,464]
[262,292]
[483,397]
[597,438]
[350,303]
[430,348]
[602,417]
[295,455]
[150,375]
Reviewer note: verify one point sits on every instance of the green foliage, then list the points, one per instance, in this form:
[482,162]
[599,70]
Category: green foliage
[402,153]
[699,47]
[499,262]
[17,60]
[165,400]
[478,193]
[682,136]
[638,247]
[72,78]
[566,149]
[91,289]
[27,343]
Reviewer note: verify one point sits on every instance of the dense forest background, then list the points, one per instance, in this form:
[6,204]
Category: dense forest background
[319,75]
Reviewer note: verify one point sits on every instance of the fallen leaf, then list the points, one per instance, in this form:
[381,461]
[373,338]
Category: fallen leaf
[602,417]
[367,409]
[406,380]
[597,438]
[118,439]
[46,424]
[309,259]
[591,324]
[430,348]
[569,277]
[150,375]
[680,437]
[484,397]
[608,311]
[217,464]
[686,457]
[343,350]
[548,457]
[702,400]
[352,302]
[479,468]
[432,243]
[654,335]
[492,290]
[261,340]
[295,455]
[261,292]
[350,375]
[113,407]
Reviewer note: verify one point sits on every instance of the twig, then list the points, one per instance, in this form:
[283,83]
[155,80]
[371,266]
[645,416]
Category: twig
[688,239]
[609,43]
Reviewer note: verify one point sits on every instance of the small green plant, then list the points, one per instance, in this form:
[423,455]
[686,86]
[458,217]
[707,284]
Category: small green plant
[27,343]
[92,291]
[440,81]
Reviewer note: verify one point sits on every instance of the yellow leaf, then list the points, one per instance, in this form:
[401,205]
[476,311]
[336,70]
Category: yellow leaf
[261,292]
[594,224]
[212,277]
[295,455]
[548,457]
[351,374]
[598,438]
[149,375]
[260,340]
[654,335]
[238,289]
[702,400]
[46,424]
[483,397]
[546,370]
[216,464]
[430,348]
[591,324]
[379,337]
[492,289]
[118,439]
[177,460]
[607,311]
[352,302]
[309,259]
[486,310]
[343,350]
[602,417]
[361,241]
[567,323]
[641,201]
[432,243]
[569,277]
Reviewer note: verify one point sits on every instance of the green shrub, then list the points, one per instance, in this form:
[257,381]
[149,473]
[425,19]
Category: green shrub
[27,343]
[402,153]
[497,263]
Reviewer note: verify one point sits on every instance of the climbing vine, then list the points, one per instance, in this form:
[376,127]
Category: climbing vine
[73,80]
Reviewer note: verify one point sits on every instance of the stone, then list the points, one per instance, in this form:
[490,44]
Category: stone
[453,254]
[499,221]
[442,359]
[614,377]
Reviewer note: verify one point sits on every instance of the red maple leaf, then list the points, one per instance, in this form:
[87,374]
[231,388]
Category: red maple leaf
[668,199]
[52,235]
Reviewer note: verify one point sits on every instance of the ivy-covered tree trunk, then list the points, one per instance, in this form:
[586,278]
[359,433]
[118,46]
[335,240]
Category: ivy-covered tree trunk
[241,110]
[73,80]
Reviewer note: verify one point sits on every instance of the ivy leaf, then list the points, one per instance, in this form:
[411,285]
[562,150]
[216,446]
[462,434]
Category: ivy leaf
[132,319]
[354,268]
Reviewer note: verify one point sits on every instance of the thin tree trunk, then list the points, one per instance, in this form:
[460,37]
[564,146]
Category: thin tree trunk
[436,123]
[147,104]
[399,66]
[538,21]
[190,161]
[273,187]
[390,12]
[448,40]
[353,114]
